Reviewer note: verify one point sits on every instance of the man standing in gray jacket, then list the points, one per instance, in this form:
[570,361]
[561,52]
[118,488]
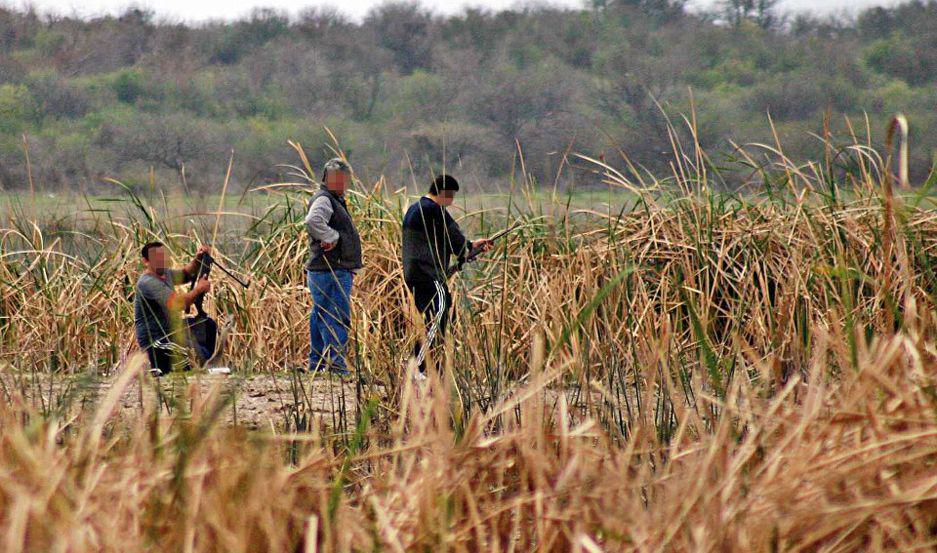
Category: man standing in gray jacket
[335,255]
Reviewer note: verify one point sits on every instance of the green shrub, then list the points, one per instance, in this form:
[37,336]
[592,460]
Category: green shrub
[18,109]
[129,85]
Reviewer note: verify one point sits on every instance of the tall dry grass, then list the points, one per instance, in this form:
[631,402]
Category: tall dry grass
[841,463]
[694,371]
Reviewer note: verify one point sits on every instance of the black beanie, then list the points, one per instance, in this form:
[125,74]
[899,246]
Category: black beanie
[443,182]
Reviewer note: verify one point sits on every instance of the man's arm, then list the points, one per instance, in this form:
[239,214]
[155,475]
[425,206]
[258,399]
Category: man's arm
[181,302]
[457,241]
[317,221]
[168,299]
[190,271]
[461,246]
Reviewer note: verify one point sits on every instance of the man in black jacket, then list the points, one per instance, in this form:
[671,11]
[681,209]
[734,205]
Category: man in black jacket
[335,255]
[430,237]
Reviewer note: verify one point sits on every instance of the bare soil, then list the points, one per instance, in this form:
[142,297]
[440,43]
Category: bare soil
[274,402]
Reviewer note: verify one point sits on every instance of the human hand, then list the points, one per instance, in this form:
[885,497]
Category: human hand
[203,285]
[327,246]
[482,245]
[202,251]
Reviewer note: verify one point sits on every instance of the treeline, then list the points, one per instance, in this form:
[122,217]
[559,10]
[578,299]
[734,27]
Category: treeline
[405,91]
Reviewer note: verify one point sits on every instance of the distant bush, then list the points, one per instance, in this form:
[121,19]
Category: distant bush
[903,59]
[18,109]
[56,96]
[240,37]
[801,95]
[129,85]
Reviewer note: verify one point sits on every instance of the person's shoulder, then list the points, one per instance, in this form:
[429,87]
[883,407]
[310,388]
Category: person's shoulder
[146,283]
[429,206]
[321,199]
[415,207]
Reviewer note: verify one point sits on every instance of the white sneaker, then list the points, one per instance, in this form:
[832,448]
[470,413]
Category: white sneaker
[419,376]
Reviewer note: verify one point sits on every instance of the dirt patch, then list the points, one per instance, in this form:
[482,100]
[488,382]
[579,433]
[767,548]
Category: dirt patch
[273,402]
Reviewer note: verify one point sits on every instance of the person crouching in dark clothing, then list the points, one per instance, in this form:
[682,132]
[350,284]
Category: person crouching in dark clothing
[430,238]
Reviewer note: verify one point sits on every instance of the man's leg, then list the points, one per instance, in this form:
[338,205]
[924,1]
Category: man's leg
[432,299]
[443,302]
[337,316]
[422,299]
[315,322]
[160,360]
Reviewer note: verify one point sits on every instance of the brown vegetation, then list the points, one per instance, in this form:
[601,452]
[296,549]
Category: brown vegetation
[699,373]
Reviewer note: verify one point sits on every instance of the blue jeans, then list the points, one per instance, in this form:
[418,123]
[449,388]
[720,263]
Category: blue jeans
[330,318]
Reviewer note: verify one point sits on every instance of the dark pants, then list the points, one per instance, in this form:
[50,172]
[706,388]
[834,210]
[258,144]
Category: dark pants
[164,360]
[429,297]
[202,332]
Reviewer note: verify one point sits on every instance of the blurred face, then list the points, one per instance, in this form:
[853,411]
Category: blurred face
[156,261]
[337,181]
[445,197]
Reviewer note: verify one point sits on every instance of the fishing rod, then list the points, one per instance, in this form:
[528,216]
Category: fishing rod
[205,262]
[214,262]
[475,252]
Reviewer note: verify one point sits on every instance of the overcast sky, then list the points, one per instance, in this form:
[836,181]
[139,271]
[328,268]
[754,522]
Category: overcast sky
[201,10]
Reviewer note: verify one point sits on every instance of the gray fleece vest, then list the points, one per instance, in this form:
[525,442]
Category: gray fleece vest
[347,253]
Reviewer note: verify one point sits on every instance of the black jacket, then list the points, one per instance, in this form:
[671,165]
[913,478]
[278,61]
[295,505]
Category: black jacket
[430,237]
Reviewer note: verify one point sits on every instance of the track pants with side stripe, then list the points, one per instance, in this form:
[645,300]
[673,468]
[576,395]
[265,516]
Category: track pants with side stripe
[433,301]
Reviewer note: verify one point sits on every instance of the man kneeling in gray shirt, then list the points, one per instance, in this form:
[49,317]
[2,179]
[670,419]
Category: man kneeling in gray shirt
[157,309]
